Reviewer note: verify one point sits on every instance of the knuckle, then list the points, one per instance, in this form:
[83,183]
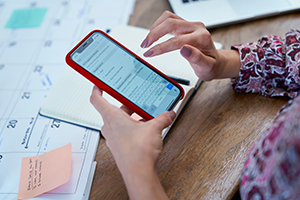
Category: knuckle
[158,49]
[194,41]
[169,120]
[167,13]
[203,40]
[176,41]
[92,98]
[196,58]
[206,34]
[171,23]
[200,24]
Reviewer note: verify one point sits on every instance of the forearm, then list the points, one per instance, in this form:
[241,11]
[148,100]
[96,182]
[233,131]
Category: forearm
[143,184]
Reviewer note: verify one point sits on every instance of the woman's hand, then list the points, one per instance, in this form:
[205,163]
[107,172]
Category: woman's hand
[195,44]
[135,145]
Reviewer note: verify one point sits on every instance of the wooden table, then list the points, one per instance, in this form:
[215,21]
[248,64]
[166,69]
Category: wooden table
[205,150]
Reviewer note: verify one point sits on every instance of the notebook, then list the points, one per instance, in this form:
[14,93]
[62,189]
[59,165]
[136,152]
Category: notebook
[68,100]
[214,13]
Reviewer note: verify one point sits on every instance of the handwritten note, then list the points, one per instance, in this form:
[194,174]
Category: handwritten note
[42,173]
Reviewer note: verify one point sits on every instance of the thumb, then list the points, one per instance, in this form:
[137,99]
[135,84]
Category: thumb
[200,62]
[164,120]
[192,54]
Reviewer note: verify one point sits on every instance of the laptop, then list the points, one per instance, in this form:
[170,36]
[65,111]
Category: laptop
[215,13]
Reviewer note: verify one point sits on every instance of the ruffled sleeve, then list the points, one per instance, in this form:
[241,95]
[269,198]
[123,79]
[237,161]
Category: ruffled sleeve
[270,66]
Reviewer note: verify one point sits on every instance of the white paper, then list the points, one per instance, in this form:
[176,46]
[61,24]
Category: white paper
[31,61]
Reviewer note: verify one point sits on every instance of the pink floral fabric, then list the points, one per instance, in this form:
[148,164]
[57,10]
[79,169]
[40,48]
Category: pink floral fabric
[271,67]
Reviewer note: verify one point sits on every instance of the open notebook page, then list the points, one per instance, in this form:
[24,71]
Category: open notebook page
[69,100]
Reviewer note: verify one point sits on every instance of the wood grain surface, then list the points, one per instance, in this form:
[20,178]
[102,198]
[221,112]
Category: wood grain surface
[205,150]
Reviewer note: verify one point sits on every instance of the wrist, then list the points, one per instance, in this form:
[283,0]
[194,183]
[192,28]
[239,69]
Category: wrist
[229,63]
[143,183]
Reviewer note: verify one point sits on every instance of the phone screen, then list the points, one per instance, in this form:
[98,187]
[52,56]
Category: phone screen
[126,74]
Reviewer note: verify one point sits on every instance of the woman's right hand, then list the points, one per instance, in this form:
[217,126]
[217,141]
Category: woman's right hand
[195,44]
[135,145]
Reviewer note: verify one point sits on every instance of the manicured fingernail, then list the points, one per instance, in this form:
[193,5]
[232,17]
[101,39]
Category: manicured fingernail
[149,53]
[172,114]
[144,43]
[185,51]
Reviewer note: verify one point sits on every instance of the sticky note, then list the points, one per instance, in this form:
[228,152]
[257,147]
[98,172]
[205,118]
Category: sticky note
[26,18]
[42,173]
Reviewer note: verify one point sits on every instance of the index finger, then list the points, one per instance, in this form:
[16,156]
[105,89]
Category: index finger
[163,17]
[166,15]
[97,100]
[171,25]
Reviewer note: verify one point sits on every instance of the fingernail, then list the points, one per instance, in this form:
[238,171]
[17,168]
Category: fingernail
[149,53]
[144,43]
[172,114]
[185,51]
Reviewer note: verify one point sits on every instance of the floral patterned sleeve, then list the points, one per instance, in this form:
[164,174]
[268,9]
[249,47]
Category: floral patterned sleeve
[270,66]
[272,167]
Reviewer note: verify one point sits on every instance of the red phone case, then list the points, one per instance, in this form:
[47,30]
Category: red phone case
[108,89]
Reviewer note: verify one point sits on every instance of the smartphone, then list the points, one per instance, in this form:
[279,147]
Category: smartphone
[124,75]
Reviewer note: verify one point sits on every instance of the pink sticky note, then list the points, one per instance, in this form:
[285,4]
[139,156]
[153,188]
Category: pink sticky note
[40,174]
